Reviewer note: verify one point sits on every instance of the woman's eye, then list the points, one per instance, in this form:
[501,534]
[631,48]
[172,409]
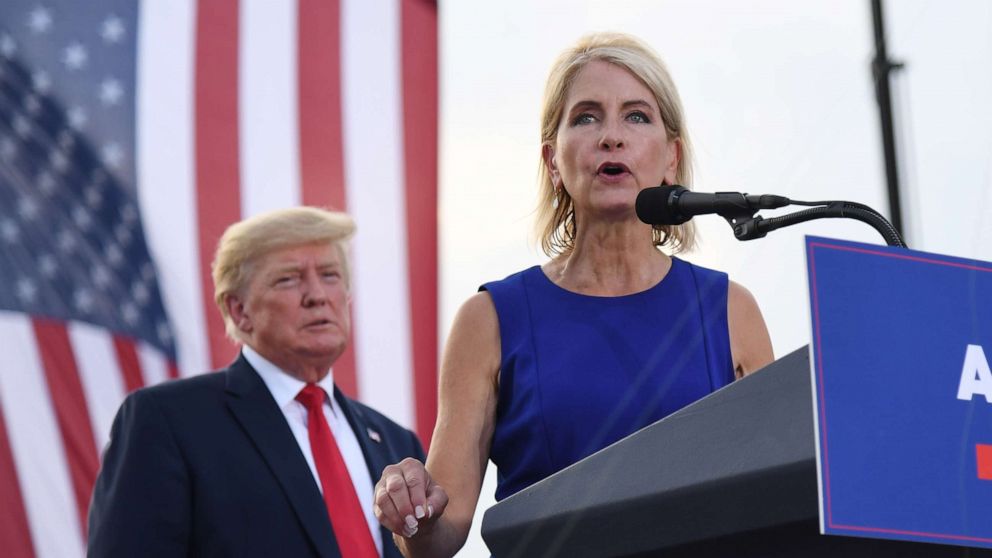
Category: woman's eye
[639,117]
[584,118]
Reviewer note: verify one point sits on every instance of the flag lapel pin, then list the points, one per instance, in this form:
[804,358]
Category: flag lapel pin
[374,435]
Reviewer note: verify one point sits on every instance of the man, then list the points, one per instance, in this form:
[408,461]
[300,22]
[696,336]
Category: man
[267,457]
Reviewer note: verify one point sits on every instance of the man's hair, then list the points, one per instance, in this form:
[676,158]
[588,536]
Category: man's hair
[245,242]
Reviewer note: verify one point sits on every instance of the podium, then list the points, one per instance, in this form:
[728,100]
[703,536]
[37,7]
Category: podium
[733,474]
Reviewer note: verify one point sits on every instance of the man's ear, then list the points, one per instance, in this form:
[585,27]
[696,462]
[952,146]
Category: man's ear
[236,309]
[548,154]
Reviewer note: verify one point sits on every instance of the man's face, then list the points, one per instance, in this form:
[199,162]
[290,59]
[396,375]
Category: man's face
[294,310]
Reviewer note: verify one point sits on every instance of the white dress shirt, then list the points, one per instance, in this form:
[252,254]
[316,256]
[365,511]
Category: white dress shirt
[284,389]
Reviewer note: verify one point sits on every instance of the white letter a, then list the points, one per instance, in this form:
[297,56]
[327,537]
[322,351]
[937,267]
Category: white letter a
[976,379]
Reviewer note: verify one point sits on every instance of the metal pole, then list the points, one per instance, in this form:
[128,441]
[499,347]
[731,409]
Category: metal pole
[881,67]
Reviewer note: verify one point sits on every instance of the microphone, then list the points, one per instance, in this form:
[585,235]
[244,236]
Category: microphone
[674,205]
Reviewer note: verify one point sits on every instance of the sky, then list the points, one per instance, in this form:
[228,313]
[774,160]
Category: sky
[778,98]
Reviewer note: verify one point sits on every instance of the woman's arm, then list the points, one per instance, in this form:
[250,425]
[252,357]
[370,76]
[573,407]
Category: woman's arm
[750,344]
[448,489]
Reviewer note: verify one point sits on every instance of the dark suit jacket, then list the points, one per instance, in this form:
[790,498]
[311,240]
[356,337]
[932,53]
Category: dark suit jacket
[207,466]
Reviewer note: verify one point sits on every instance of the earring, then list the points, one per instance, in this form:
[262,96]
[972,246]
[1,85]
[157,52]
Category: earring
[554,199]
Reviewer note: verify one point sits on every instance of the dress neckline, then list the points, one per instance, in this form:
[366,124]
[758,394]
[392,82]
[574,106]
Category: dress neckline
[544,279]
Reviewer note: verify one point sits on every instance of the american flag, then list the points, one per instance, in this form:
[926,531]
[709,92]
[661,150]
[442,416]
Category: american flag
[133,133]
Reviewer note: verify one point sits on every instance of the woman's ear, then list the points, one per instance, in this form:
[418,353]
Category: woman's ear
[673,156]
[548,154]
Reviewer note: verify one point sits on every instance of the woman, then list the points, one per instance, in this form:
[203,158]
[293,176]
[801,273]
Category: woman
[556,362]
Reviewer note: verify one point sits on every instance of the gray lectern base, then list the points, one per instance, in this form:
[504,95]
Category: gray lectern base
[733,474]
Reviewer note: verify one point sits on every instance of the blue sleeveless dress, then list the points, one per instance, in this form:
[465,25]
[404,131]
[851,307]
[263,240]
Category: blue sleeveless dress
[580,372]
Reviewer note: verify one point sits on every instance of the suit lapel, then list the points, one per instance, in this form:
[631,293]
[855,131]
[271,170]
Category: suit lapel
[263,421]
[375,448]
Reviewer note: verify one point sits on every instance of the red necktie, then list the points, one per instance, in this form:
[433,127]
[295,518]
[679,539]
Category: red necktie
[347,518]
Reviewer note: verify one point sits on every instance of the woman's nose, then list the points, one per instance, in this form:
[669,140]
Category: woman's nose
[612,137]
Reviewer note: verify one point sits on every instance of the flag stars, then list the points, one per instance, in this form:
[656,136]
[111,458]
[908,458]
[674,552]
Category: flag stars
[22,126]
[93,196]
[66,140]
[66,241]
[9,231]
[83,300]
[8,46]
[27,292]
[111,92]
[47,265]
[112,155]
[164,334]
[46,183]
[140,292]
[114,255]
[129,216]
[75,56]
[82,218]
[123,234]
[7,148]
[77,117]
[112,29]
[32,104]
[28,209]
[147,271]
[41,81]
[130,314]
[58,161]
[101,276]
[40,20]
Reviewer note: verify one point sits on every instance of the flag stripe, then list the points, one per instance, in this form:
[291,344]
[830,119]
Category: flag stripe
[36,444]
[15,538]
[420,84]
[217,176]
[166,173]
[154,366]
[321,146]
[372,120]
[127,361]
[71,410]
[103,383]
[267,114]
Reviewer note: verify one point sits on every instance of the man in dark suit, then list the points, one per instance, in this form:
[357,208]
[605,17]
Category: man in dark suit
[266,457]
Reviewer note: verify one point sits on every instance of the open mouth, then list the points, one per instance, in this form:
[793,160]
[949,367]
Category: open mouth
[613,169]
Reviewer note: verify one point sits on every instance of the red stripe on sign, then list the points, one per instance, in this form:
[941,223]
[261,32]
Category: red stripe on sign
[983,454]
[218,196]
[321,135]
[420,85]
[15,538]
[127,361]
[71,411]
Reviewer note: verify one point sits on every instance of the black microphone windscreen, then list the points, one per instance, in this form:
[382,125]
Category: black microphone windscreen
[655,206]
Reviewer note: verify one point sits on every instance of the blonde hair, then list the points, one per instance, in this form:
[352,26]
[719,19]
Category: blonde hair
[245,242]
[556,227]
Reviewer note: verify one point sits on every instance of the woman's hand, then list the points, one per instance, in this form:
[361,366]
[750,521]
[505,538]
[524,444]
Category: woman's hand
[407,499]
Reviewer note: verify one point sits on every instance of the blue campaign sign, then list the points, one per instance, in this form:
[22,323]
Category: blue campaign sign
[902,342]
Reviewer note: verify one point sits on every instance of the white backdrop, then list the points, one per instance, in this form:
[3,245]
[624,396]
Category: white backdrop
[779,99]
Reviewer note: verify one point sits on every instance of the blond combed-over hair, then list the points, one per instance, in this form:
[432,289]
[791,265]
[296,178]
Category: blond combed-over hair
[245,242]
[556,226]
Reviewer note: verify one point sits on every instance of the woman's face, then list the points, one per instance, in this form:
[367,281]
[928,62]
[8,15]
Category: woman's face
[611,143]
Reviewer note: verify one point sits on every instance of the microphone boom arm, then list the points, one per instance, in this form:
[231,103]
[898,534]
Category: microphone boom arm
[747,226]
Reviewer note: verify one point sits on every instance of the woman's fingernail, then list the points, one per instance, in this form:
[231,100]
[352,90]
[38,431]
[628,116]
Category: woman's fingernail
[409,532]
[419,511]
[410,522]
[430,511]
